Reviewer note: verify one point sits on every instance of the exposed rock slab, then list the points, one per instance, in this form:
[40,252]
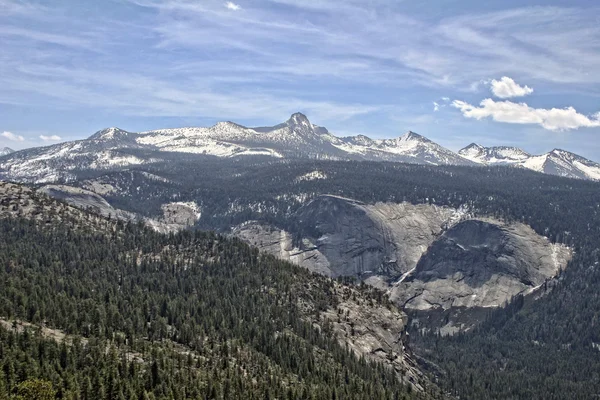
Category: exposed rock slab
[480,263]
[343,237]
[374,331]
[280,243]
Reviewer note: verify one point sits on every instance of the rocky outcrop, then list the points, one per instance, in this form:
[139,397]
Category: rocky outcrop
[374,331]
[428,258]
[281,244]
[480,263]
[176,216]
[343,237]
[85,199]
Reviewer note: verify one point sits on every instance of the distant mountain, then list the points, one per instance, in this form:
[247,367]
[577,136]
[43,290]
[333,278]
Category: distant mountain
[556,162]
[295,138]
[493,155]
[410,147]
[5,150]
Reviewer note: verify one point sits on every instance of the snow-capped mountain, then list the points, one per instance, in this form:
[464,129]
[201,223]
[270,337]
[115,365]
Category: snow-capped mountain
[114,148]
[411,147]
[494,155]
[556,162]
[295,138]
[5,150]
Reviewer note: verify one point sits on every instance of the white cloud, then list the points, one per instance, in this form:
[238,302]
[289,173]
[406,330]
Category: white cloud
[52,138]
[507,87]
[555,119]
[232,6]
[11,136]
[436,106]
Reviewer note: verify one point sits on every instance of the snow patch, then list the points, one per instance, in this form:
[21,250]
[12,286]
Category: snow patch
[311,176]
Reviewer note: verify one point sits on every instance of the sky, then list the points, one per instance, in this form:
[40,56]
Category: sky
[503,72]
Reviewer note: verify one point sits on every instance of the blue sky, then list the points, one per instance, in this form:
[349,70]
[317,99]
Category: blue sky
[524,73]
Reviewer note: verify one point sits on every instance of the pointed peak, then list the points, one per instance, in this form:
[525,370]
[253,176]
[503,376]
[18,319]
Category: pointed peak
[363,138]
[474,146]
[566,155]
[413,136]
[298,119]
[5,150]
[109,133]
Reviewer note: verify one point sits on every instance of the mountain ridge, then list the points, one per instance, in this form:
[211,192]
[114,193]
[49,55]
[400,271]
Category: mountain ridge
[5,151]
[295,138]
[555,162]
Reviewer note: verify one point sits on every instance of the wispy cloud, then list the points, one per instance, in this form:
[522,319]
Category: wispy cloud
[334,59]
[12,137]
[19,7]
[232,6]
[555,119]
[507,87]
[50,138]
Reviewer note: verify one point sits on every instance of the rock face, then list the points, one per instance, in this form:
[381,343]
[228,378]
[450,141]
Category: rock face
[480,263]
[85,199]
[375,332]
[280,243]
[176,216]
[429,258]
[343,237]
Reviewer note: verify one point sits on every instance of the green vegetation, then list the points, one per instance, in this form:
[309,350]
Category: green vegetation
[543,349]
[186,316]
[532,349]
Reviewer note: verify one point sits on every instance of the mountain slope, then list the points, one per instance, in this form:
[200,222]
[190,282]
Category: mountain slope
[557,162]
[114,148]
[187,315]
[493,155]
[297,138]
[410,147]
[5,150]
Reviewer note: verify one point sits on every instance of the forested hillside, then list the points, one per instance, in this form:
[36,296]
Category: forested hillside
[191,315]
[543,346]
[233,191]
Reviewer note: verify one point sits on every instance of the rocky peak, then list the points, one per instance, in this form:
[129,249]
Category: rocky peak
[298,119]
[563,153]
[5,150]
[472,148]
[410,135]
[360,140]
[109,134]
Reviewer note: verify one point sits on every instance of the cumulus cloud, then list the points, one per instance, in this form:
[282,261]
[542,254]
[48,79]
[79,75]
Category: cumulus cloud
[507,87]
[11,136]
[52,138]
[555,119]
[232,6]
[436,106]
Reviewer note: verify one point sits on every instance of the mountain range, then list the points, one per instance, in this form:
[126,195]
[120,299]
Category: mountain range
[5,150]
[295,138]
[556,162]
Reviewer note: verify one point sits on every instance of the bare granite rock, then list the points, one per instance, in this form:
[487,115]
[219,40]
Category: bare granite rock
[481,263]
